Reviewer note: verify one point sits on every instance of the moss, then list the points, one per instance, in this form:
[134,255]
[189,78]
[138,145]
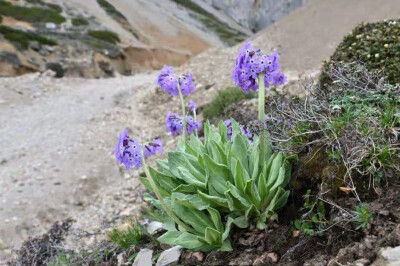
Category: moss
[376,45]
[30,14]
[226,34]
[79,22]
[223,99]
[55,7]
[20,39]
[104,35]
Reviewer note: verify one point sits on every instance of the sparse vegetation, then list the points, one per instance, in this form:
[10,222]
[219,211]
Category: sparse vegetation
[224,98]
[226,34]
[106,36]
[362,216]
[20,39]
[79,21]
[30,14]
[134,234]
[111,10]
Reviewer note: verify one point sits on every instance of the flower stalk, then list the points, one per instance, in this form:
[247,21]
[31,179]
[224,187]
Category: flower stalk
[162,202]
[261,115]
[183,112]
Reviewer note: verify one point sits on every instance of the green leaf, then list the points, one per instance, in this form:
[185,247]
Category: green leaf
[282,201]
[275,167]
[192,201]
[240,176]
[241,222]
[262,189]
[188,162]
[184,239]
[163,181]
[213,237]
[239,150]
[184,188]
[233,203]
[252,192]
[214,201]
[226,246]
[217,174]
[185,175]
[297,224]
[222,129]
[196,144]
[228,227]
[253,163]
[239,195]
[281,180]
[195,218]
[235,128]
[218,153]
[216,218]
[252,211]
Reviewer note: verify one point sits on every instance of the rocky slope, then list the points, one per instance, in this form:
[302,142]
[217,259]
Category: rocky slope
[57,135]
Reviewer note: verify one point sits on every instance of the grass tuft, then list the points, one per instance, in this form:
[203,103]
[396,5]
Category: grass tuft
[20,39]
[79,21]
[104,35]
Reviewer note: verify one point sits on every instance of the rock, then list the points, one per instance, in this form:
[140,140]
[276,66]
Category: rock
[10,58]
[154,227]
[143,258]
[391,254]
[35,45]
[266,257]
[51,26]
[3,246]
[384,212]
[51,74]
[56,67]
[128,211]
[169,256]
[195,257]
[362,262]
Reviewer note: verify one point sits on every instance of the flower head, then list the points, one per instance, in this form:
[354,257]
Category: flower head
[186,84]
[174,124]
[192,106]
[228,124]
[192,125]
[152,148]
[128,151]
[250,63]
[168,81]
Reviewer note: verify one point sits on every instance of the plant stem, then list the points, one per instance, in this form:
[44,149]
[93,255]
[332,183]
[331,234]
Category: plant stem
[183,112]
[261,115]
[194,117]
[162,202]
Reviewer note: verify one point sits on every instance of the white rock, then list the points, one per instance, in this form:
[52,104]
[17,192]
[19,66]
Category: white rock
[143,258]
[391,254]
[169,256]
[154,227]
[51,25]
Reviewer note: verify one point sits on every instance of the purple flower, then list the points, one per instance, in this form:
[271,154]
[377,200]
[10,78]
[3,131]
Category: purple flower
[191,124]
[245,130]
[174,124]
[186,84]
[228,124]
[192,106]
[152,148]
[250,63]
[168,81]
[128,151]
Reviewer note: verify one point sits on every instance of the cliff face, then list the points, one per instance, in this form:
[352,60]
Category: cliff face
[255,14]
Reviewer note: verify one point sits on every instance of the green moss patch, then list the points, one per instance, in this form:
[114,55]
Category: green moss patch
[79,22]
[20,39]
[111,10]
[31,14]
[376,45]
[223,99]
[104,35]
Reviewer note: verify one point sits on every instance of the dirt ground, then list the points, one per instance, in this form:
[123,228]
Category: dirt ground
[57,136]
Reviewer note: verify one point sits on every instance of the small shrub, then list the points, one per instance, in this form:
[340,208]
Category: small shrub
[111,10]
[30,14]
[223,99]
[20,39]
[374,44]
[79,22]
[106,36]
[132,236]
[362,216]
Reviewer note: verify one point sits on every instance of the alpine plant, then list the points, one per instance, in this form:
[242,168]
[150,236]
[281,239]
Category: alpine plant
[231,177]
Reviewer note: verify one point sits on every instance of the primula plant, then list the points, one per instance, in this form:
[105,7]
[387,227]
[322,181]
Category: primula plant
[231,178]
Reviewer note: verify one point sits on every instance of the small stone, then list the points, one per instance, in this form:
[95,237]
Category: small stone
[3,245]
[83,177]
[265,258]
[154,227]
[391,254]
[143,258]
[169,256]
[362,262]
[384,212]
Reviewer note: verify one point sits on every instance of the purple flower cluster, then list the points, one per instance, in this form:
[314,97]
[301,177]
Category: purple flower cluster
[168,81]
[250,63]
[129,152]
[175,124]
[245,130]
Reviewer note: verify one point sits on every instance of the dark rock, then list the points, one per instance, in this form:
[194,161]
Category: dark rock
[11,58]
[35,45]
[56,67]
